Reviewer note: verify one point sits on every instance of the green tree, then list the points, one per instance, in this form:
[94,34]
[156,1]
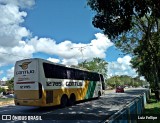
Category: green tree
[115,17]
[125,80]
[147,59]
[2,89]
[10,84]
[134,26]
[96,65]
[111,82]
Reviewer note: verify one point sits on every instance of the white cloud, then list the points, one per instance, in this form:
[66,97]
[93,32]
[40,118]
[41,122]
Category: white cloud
[53,60]
[125,60]
[9,55]
[121,67]
[19,3]
[72,52]
[11,33]
[69,53]
[10,73]
[4,79]
[70,61]
[100,45]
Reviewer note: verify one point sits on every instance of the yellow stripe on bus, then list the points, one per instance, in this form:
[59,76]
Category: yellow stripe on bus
[27,97]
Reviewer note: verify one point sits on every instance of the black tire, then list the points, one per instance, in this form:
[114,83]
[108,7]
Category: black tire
[72,100]
[99,94]
[64,101]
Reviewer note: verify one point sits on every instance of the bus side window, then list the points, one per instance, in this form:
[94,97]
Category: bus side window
[54,71]
[79,75]
[70,73]
[90,76]
[61,72]
[96,77]
[86,75]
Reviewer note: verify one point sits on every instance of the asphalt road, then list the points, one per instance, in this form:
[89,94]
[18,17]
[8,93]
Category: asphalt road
[96,110]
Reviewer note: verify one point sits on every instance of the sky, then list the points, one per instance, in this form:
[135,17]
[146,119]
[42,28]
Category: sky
[54,30]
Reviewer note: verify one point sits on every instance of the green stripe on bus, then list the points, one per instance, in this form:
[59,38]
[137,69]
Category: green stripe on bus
[90,91]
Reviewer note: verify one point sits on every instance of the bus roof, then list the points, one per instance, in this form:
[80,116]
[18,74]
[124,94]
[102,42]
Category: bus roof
[82,69]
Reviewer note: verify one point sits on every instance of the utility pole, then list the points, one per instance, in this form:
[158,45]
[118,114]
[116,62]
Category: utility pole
[81,50]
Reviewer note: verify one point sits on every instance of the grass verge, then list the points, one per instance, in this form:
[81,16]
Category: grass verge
[152,109]
[6,101]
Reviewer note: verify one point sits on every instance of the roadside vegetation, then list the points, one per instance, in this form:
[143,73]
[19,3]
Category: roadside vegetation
[99,65]
[125,81]
[2,89]
[152,108]
[134,28]
[9,84]
[6,95]
[5,99]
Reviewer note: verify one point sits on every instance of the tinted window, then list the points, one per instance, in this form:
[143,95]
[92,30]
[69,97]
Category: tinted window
[70,73]
[79,75]
[96,77]
[54,71]
[91,76]
[86,76]
[61,72]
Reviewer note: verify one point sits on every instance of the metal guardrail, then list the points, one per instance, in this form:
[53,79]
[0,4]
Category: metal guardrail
[130,112]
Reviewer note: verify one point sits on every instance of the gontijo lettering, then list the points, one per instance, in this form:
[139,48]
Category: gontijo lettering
[24,67]
[25,72]
[74,83]
[67,84]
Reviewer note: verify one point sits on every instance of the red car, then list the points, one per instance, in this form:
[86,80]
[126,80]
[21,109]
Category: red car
[119,89]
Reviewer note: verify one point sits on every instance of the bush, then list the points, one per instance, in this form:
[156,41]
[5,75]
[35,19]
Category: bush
[2,90]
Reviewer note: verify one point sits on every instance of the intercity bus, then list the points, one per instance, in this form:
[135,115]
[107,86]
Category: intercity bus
[38,82]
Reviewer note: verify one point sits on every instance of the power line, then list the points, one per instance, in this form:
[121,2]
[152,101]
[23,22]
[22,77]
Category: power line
[11,54]
[81,50]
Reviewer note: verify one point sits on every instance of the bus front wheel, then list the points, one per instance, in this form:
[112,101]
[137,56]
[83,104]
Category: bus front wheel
[64,101]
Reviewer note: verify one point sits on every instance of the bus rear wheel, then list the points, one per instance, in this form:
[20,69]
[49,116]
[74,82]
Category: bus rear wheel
[99,94]
[64,101]
[72,100]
